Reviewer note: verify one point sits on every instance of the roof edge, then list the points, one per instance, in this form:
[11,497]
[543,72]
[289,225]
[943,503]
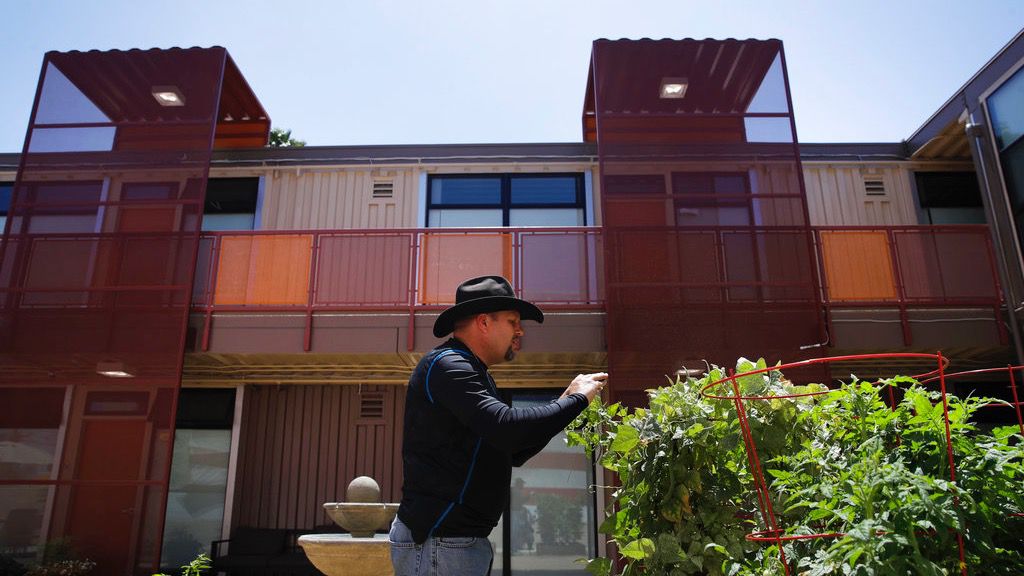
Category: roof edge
[946,113]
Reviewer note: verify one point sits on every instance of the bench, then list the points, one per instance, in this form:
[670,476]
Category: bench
[261,552]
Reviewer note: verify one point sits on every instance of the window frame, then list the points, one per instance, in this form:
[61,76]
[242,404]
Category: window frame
[505,204]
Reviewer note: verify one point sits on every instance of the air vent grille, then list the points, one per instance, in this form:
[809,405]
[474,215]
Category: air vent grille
[383,189]
[371,405]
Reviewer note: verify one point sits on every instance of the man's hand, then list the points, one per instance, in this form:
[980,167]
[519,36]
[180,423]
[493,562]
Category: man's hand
[590,385]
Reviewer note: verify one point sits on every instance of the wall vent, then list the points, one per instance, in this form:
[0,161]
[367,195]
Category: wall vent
[383,188]
[371,405]
[874,187]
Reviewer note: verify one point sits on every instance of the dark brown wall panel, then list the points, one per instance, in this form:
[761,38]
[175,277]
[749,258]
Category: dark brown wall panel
[300,446]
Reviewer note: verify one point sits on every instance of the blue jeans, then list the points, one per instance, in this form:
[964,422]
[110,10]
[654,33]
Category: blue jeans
[448,556]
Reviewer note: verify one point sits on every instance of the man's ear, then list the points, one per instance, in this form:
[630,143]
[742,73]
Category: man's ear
[483,322]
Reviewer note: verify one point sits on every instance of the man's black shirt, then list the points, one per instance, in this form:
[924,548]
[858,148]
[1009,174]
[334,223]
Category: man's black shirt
[460,442]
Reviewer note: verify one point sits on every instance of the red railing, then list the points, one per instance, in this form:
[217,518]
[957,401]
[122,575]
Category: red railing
[401,269]
[904,266]
[561,268]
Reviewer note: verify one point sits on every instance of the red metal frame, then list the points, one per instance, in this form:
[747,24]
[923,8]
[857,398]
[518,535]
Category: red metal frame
[136,286]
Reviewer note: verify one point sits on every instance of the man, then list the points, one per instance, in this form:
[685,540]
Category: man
[461,441]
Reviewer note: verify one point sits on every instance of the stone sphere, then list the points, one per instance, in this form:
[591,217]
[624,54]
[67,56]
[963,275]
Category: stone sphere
[363,489]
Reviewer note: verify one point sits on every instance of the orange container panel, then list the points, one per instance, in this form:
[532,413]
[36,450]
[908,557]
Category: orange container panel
[264,270]
[448,259]
[858,265]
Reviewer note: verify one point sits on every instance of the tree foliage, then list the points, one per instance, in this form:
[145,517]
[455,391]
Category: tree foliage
[281,138]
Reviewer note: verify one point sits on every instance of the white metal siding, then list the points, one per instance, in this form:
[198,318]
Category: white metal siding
[835,195]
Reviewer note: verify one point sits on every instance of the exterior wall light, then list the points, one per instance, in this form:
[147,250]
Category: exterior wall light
[114,370]
[168,96]
[673,87]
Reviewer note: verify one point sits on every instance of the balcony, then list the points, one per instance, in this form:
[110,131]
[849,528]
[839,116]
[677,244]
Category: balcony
[406,270]
[900,271]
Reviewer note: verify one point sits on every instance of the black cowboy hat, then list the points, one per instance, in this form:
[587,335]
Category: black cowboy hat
[481,295]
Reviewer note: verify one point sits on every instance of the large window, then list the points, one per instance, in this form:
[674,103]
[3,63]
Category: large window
[550,521]
[475,200]
[199,474]
[1006,115]
[230,204]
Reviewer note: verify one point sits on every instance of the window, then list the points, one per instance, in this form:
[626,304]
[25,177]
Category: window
[1005,108]
[230,204]
[199,473]
[950,197]
[711,199]
[505,200]
[551,518]
[5,202]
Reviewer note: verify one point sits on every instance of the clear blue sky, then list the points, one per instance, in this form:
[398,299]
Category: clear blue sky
[363,72]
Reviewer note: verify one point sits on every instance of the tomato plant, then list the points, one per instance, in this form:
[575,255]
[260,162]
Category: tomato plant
[844,462]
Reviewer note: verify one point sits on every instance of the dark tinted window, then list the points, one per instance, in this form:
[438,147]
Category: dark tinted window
[206,408]
[231,196]
[518,199]
[545,190]
[5,197]
[449,190]
[948,189]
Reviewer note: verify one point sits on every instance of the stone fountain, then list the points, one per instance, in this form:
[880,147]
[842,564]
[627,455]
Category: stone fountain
[362,552]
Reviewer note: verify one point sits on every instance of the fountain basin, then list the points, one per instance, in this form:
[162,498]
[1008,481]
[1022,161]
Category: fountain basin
[345,555]
[362,519]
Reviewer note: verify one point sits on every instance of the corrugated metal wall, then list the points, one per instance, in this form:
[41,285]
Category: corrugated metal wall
[300,446]
[836,195]
[338,199]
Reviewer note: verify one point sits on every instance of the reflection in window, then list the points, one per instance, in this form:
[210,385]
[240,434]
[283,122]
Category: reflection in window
[61,102]
[554,217]
[1006,114]
[30,420]
[768,130]
[771,95]
[22,510]
[87,139]
[465,191]
[464,218]
[1006,107]
[711,199]
[551,509]
[199,475]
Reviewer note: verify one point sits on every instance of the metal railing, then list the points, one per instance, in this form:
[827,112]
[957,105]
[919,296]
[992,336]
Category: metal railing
[562,268]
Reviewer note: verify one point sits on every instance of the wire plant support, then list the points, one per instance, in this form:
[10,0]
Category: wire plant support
[773,531]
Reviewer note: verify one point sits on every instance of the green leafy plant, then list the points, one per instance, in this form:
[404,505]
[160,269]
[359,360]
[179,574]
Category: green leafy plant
[874,477]
[196,567]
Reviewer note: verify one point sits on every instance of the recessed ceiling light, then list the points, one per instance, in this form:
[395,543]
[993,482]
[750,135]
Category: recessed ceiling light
[673,87]
[114,370]
[168,96]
